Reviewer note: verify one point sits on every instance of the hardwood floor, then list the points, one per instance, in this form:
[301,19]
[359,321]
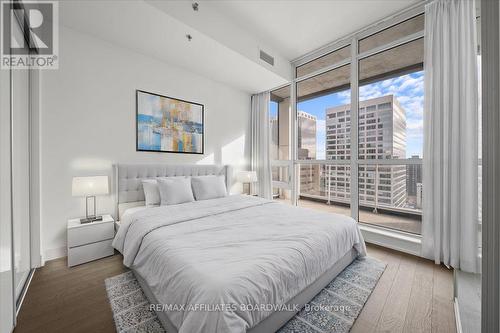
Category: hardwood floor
[413,295]
[62,299]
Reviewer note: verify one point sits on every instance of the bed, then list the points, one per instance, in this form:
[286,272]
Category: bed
[232,264]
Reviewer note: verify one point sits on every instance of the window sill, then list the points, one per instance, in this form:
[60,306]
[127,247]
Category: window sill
[392,239]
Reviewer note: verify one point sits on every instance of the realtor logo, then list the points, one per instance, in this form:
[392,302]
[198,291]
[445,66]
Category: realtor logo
[29,35]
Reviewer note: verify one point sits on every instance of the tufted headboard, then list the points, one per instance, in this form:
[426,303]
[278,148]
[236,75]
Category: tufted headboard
[128,179]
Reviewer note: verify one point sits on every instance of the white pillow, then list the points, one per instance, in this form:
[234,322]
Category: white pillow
[151,192]
[209,187]
[175,190]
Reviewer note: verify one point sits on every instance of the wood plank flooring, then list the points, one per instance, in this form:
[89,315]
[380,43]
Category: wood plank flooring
[62,299]
[413,295]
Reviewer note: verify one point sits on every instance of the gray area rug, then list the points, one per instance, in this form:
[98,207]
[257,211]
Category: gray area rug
[334,309]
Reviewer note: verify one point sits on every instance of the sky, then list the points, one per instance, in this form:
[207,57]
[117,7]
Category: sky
[408,89]
[273,109]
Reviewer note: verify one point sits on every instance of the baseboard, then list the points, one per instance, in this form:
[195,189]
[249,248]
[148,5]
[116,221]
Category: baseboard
[55,253]
[458,322]
[398,241]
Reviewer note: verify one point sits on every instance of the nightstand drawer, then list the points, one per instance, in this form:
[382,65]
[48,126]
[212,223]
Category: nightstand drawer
[90,233]
[81,254]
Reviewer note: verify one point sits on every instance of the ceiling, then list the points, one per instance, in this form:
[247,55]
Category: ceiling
[139,27]
[295,28]
[227,35]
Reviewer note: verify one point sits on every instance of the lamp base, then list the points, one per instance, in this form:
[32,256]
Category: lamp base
[248,190]
[91,219]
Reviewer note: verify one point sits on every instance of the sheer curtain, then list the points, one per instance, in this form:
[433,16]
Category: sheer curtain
[261,159]
[450,175]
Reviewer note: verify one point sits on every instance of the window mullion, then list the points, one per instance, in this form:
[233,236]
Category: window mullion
[354,130]
[294,141]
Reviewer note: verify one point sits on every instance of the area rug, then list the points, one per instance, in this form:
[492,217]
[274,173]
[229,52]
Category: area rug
[334,309]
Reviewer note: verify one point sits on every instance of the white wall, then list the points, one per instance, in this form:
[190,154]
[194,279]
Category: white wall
[88,123]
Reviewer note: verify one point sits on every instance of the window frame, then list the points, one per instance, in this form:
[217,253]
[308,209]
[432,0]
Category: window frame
[353,41]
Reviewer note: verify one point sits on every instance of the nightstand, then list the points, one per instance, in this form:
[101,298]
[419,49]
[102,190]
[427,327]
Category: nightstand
[90,241]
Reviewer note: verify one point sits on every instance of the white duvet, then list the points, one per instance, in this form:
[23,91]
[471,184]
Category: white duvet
[221,265]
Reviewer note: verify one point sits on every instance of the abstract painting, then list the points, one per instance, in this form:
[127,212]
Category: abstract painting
[166,124]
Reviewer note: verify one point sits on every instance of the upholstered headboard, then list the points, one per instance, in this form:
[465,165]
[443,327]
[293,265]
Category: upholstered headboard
[128,179]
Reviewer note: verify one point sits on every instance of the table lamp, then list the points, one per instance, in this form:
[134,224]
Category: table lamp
[89,187]
[247,177]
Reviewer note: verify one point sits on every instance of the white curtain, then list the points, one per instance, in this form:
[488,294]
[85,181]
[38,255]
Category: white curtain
[261,159]
[450,183]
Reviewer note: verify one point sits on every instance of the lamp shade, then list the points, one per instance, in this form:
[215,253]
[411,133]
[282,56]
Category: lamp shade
[247,177]
[85,186]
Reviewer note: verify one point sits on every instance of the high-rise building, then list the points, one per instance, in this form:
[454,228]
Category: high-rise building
[419,195]
[382,135]
[413,176]
[306,136]
[309,174]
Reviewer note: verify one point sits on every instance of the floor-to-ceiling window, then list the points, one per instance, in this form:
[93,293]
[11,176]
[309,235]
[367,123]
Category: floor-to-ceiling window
[323,136]
[390,127]
[357,126]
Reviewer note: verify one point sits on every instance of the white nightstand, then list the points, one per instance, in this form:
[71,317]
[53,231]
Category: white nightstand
[90,241]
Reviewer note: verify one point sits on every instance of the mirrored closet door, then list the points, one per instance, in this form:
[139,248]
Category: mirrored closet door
[20,154]
[16,265]
[20,178]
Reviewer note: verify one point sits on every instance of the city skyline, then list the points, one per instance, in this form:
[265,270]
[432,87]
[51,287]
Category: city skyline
[408,89]
[382,135]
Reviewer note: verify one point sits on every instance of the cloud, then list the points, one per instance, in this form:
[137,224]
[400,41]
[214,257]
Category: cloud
[415,131]
[406,84]
[409,91]
[411,83]
[320,127]
[412,104]
[404,99]
[371,91]
[414,109]
[344,96]
[418,125]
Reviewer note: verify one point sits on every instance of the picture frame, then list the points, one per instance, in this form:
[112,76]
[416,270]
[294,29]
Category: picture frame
[169,125]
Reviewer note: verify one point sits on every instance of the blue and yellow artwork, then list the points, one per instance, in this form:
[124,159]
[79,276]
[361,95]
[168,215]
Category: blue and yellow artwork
[167,124]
